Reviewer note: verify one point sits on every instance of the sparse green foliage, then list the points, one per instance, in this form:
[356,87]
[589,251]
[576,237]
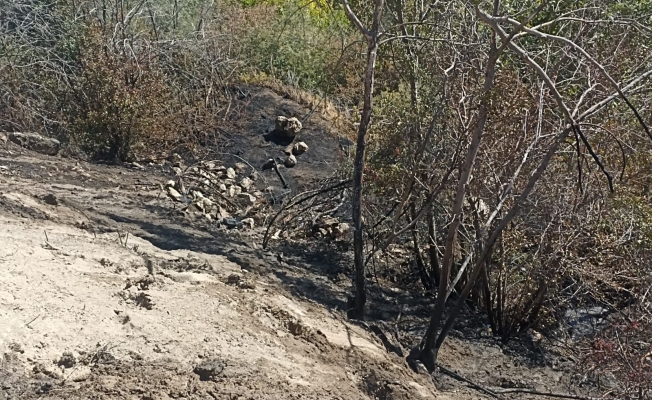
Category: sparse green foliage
[298,44]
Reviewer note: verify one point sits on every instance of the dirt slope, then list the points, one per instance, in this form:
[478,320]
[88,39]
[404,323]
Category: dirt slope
[182,308]
[84,315]
[70,294]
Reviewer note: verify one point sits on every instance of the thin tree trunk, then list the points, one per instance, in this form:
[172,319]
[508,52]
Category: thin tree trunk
[175,15]
[357,303]
[488,300]
[432,248]
[357,310]
[428,352]
[479,285]
[426,279]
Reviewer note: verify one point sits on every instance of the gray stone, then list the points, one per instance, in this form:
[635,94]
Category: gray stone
[299,148]
[240,168]
[80,374]
[213,166]
[204,204]
[234,190]
[341,229]
[249,223]
[246,183]
[36,142]
[230,173]
[174,195]
[209,370]
[287,127]
[290,162]
[231,223]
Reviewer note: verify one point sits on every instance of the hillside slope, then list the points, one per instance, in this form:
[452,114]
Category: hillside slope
[110,291]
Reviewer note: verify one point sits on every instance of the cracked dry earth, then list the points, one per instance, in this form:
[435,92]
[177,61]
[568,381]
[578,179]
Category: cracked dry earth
[173,310]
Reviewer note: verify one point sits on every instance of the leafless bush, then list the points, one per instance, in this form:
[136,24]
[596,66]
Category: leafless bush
[114,78]
[620,358]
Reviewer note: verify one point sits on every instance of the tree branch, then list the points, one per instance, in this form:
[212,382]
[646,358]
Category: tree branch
[355,20]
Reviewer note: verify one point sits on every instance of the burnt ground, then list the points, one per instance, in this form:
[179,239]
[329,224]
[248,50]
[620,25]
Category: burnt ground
[279,330]
[249,136]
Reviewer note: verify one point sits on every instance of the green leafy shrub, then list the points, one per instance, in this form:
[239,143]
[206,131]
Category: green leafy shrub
[299,44]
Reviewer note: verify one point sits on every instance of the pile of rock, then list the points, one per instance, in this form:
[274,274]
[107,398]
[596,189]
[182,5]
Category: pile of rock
[329,227]
[217,192]
[288,128]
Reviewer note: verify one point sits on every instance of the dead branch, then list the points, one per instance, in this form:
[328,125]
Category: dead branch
[299,199]
[474,385]
[278,172]
[540,393]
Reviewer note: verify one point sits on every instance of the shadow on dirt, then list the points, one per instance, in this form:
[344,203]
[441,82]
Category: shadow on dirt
[277,139]
[306,277]
[319,271]
[170,236]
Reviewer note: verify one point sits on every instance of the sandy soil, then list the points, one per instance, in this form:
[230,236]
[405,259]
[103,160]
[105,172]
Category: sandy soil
[94,301]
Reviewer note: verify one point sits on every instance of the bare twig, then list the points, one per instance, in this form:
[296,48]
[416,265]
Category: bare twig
[35,318]
[474,385]
[301,198]
[278,172]
[547,394]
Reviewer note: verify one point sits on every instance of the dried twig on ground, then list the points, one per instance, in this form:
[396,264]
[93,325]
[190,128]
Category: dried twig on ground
[301,198]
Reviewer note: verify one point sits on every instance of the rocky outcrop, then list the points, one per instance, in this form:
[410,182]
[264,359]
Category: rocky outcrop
[35,142]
